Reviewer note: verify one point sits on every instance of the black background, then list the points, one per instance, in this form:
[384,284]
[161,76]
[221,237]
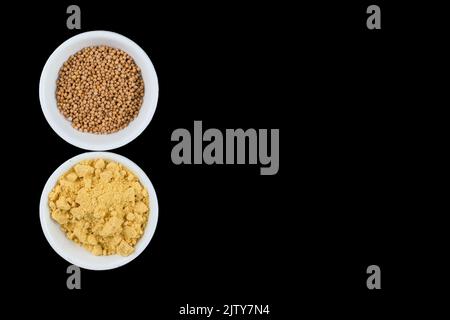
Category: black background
[300,240]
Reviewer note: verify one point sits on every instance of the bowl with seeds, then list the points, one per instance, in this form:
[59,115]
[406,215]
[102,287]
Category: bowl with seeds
[98,90]
[98,210]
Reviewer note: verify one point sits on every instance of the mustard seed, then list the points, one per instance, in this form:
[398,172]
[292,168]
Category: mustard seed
[99,90]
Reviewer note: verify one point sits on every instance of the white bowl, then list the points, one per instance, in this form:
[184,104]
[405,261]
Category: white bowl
[47,91]
[74,253]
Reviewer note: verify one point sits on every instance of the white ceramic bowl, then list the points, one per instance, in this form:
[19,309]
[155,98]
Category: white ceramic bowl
[47,91]
[73,252]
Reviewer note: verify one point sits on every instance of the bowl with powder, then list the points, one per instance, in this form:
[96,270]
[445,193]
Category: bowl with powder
[98,90]
[98,210]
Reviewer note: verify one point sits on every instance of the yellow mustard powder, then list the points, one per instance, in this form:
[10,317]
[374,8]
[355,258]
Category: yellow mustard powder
[102,206]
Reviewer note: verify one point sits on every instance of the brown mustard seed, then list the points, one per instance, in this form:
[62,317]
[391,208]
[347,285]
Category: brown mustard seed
[99,90]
